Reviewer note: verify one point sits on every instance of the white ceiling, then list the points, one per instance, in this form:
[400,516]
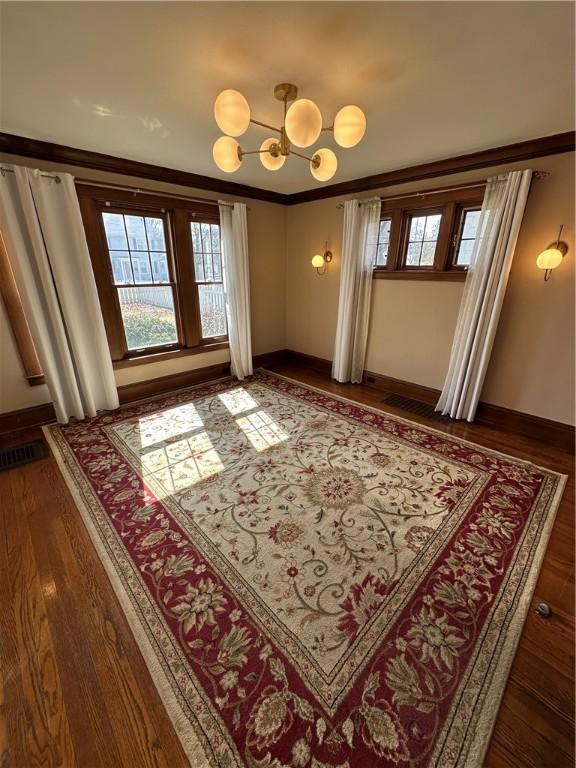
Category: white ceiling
[138,80]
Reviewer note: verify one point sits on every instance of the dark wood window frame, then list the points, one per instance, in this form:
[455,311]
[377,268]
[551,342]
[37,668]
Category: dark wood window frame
[177,215]
[452,205]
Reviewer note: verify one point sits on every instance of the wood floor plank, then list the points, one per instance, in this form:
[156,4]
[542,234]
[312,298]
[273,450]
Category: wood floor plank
[75,691]
[43,725]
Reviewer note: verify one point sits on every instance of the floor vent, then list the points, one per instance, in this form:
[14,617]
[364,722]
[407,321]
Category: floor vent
[16,455]
[416,407]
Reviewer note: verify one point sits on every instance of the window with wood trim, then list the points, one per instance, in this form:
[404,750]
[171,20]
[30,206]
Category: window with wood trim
[158,268]
[429,236]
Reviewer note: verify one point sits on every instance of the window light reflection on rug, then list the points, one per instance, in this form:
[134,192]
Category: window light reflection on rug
[181,464]
[238,400]
[261,430]
[169,423]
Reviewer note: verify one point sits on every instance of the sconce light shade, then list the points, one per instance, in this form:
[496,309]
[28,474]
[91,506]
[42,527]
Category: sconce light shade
[225,154]
[549,259]
[317,261]
[349,126]
[232,112]
[270,155]
[303,123]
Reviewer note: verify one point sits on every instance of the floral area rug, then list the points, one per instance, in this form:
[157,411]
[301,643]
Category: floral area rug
[313,583]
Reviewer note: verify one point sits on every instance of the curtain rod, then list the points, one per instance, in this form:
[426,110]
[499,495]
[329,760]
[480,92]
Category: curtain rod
[135,190]
[424,193]
[54,176]
[139,191]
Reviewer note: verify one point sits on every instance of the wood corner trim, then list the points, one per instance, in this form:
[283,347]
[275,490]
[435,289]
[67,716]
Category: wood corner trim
[23,146]
[556,144]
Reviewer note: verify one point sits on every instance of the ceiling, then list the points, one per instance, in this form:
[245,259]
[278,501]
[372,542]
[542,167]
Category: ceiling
[138,80]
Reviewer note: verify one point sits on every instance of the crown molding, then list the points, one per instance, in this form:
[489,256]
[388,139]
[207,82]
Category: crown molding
[509,153]
[59,153]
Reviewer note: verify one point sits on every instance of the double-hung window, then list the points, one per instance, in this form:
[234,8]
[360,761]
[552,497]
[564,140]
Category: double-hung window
[158,267]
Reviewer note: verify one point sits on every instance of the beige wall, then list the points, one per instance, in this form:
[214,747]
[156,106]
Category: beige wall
[266,237]
[412,323]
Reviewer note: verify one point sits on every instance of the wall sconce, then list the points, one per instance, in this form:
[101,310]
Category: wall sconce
[552,256]
[319,261]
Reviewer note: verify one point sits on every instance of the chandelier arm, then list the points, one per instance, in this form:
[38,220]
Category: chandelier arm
[265,125]
[243,152]
[329,128]
[302,156]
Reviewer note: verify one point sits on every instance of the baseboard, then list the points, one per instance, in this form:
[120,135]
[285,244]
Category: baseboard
[25,418]
[269,359]
[140,390]
[534,427]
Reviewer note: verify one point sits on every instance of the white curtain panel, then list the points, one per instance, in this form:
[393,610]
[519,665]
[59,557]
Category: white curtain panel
[500,220]
[359,243]
[44,235]
[234,237]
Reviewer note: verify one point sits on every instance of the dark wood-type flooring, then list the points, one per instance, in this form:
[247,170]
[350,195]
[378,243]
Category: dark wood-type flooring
[74,689]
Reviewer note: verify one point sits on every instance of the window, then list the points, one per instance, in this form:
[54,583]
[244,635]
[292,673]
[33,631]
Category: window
[466,236]
[383,242]
[422,239]
[144,285]
[208,271]
[429,236]
[158,268]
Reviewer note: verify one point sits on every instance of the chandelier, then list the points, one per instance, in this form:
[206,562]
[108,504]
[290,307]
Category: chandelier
[301,128]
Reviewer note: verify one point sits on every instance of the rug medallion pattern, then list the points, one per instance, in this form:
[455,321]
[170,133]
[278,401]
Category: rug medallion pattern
[316,584]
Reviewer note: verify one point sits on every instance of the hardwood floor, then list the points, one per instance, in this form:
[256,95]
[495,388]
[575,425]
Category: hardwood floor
[74,689]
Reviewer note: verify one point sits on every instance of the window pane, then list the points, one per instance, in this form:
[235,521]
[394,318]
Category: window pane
[432,227]
[471,220]
[464,254]
[121,266]
[148,316]
[155,232]
[427,255]
[160,268]
[417,228]
[208,272]
[206,239]
[115,234]
[413,254]
[383,242]
[136,233]
[465,246]
[215,233]
[212,310]
[141,267]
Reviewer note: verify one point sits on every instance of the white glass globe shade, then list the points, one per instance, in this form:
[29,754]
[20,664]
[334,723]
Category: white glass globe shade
[225,154]
[327,167]
[231,112]
[317,261]
[349,126]
[303,122]
[271,162]
[549,259]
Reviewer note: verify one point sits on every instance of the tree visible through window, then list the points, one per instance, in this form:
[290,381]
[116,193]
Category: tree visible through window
[383,242]
[467,237]
[422,239]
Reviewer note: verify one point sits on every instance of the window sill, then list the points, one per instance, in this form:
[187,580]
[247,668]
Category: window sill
[455,275]
[128,362]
